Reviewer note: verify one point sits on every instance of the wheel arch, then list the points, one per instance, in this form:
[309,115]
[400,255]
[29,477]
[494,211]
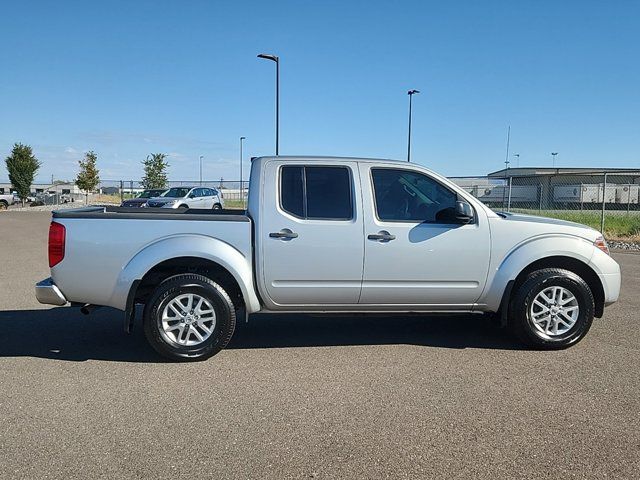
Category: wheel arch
[550,251]
[574,265]
[186,254]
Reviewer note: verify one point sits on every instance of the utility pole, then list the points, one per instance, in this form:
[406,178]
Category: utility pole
[506,158]
[276,59]
[411,93]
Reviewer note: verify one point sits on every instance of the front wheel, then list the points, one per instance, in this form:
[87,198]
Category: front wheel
[189,317]
[552,309]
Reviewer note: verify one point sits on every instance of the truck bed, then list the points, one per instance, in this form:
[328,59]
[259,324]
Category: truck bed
[107,249]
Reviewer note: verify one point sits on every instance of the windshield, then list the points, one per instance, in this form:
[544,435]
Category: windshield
[176,192]
[151,193]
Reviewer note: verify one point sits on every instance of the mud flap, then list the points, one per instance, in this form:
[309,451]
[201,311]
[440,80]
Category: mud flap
[130,308]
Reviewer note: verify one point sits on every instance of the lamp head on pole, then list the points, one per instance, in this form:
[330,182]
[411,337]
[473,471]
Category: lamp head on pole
[267,56]
[413,92]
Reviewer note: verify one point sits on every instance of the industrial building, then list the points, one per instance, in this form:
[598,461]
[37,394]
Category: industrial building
[556,188]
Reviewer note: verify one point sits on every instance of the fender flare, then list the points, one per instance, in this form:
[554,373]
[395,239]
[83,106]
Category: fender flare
[189,245]
[526,253]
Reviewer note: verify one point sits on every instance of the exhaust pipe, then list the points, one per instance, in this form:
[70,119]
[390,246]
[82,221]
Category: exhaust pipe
[88,308]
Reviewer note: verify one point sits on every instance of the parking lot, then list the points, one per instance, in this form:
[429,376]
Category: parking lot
[308,397]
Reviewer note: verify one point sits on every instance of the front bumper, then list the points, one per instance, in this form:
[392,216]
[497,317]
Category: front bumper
[608,271]
[611,286]
[48,293]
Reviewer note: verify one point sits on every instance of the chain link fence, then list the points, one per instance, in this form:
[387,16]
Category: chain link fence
[234,192]
[606,200]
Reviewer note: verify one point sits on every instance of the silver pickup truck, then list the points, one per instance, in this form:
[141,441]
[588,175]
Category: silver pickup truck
[330,235]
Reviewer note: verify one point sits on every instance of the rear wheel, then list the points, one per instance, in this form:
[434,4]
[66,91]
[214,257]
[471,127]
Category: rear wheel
[189,317]
[553,308]
[217,206]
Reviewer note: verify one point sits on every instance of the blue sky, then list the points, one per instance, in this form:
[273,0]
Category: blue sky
[129,78]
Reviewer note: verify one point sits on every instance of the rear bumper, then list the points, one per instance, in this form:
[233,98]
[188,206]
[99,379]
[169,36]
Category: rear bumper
[48,293]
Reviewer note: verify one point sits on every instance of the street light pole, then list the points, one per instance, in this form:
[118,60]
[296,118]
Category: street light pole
[553,155]
[241,184]
[201,157]
[411,93]
[275,58]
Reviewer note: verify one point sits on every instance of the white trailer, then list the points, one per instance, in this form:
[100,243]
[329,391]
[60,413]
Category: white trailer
[628,194]
[518,193]
[585,193]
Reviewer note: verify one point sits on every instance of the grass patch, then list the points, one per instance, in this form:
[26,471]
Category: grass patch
[234,204]
[620,226]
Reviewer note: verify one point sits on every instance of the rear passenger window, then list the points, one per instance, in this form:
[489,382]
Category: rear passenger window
[316,192]
[292,190]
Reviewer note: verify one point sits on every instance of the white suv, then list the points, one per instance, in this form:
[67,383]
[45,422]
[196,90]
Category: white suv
[189,197]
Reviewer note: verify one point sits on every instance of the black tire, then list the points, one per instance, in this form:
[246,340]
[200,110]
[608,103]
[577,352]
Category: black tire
[3,205]
[225,317]
[184,206]
[217,206]
[521,323]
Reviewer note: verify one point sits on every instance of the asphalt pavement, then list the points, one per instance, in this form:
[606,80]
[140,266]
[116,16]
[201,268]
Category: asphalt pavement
[308,397]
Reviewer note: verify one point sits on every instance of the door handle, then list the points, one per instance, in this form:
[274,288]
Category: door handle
[382,236]
[284,233]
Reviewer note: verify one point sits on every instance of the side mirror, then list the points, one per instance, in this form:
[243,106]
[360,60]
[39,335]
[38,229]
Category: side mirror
[193,195]
[464,212]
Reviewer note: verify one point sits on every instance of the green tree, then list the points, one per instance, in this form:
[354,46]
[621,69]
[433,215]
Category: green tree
[22,166]
[89,176]
[155,171]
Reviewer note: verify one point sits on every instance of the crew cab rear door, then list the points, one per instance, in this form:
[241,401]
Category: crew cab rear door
[311,245]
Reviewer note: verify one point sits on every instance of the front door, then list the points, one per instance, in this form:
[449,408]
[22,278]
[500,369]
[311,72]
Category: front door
[311,244]
[198,200]
[416,253]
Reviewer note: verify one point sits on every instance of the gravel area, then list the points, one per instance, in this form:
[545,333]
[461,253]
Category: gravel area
[625,246]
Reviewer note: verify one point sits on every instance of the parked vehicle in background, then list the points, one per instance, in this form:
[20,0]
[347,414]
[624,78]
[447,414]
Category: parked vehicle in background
[46,198]
[6,200]
[389,237]
[188,197]
[141,200]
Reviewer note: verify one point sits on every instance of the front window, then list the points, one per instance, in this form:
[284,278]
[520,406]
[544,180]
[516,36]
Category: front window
[151,193]
[176,192]
[407,196]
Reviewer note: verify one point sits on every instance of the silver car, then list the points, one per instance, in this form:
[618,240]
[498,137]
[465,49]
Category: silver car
[188,197]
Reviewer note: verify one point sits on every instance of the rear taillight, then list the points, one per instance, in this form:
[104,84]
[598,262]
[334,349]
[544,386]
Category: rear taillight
[57,236]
